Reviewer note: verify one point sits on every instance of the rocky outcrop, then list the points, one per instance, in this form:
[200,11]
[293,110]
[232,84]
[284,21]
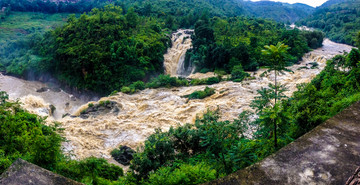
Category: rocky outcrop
[326,155]
[123,155]
[102,108]
[25,173]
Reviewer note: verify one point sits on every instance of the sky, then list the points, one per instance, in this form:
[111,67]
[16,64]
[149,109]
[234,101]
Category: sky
[313,3]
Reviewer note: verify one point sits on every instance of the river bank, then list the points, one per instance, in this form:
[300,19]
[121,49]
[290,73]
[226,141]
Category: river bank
[139,114]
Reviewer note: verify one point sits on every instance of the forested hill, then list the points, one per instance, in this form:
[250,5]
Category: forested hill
[330,2]
[340,20]
[281,12]
[183,12]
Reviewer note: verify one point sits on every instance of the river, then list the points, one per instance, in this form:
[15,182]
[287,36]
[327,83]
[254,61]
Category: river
[139,114]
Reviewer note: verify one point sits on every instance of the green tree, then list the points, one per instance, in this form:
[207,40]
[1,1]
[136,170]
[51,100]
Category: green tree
[276,59]
[132,18]
[353,59]
[358,40]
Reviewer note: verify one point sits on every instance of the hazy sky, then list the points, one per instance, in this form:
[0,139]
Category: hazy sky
[313,3]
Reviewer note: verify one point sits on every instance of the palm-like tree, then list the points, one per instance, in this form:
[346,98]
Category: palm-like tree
[276,60]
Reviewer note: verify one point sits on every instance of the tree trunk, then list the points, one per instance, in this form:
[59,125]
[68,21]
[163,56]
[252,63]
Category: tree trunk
[275,136]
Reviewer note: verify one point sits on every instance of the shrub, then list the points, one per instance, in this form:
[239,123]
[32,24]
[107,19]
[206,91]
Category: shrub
[213,80]
[197,82]
[123,155]
[166,81]
[113,93]
[185,174]
[24,135]
[126,90]
[90,170]
[201,94]
[157,151]
[238,73]
[138,85]
[204,70]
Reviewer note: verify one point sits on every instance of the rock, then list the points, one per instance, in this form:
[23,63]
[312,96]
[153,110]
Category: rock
[25,173]
[100,109]
[43,89]
[64,115]
[123,155]
[55,89]
[52,109]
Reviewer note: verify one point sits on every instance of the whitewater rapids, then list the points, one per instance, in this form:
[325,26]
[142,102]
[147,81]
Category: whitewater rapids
[141,113]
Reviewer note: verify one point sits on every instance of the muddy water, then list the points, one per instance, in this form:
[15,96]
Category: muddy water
[162,108]
[37,97]
[141,113]
[174,59]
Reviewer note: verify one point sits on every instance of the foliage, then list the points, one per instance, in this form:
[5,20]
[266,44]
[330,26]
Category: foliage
[185,174]
[19,36]
[205,81]
[358,40]
[209,139]
[340,21]
[24,135]
[89,171]
[329,93]
[238,74]
[222,43]
[276,58]
[166,81]
[223,145]
[201,94]
[108,51]
[55,6]
[183,14]
[281,12]
[123,155]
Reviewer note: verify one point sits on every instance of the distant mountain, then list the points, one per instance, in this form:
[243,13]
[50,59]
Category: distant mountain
[330,2]
[339,19]
[281,12]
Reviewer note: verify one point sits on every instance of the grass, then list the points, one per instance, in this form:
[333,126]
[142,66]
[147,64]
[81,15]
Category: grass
[19,24]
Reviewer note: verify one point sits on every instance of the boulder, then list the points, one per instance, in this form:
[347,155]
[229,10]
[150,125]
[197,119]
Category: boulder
[25,173]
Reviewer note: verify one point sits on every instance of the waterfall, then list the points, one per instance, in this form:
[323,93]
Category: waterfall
[174,59]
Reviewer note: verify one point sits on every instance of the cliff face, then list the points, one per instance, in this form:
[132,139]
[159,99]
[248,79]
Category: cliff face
[326,155]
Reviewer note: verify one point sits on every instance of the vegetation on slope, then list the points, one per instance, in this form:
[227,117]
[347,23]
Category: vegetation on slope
[223,146]
[184,13]
[109,49]
[24,135]
[340,21]
[54,6]
[281,12]
[201,94]
[19,35]
[224,43]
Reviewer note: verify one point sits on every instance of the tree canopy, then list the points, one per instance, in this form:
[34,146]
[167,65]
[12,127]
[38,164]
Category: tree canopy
[104,50]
